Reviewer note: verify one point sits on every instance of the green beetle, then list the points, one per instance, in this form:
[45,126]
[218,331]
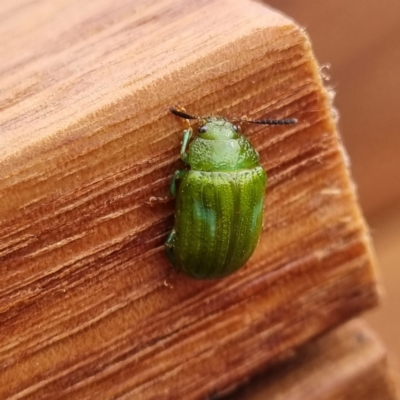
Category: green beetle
[219,200]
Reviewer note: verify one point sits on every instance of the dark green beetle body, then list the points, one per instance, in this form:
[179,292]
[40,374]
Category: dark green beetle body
[219,201]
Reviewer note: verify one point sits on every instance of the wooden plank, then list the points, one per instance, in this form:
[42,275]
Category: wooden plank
[349,363]
[89,304]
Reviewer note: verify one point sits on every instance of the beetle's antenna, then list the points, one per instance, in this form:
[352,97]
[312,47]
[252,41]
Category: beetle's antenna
[181,114]
[286,121]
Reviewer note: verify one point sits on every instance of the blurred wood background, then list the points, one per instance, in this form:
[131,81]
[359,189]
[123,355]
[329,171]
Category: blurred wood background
[360,41]
[349,363]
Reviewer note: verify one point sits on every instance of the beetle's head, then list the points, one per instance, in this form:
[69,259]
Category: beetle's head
[211,128]
[218,128]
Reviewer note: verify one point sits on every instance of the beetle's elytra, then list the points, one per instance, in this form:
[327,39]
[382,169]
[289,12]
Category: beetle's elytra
[219,200]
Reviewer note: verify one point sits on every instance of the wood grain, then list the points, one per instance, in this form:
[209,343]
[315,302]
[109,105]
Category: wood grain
[349,363]
[89,304]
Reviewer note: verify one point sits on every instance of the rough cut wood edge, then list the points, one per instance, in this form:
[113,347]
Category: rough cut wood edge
[349,363]
[89,305]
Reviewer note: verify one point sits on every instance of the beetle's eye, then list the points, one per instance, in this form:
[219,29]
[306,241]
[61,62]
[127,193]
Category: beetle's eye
[202,129]
[235,128]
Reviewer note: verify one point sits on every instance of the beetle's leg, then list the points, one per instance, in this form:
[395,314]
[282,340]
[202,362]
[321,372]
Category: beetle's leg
[179,174]
[187,134]
[155,200]
[169,246]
